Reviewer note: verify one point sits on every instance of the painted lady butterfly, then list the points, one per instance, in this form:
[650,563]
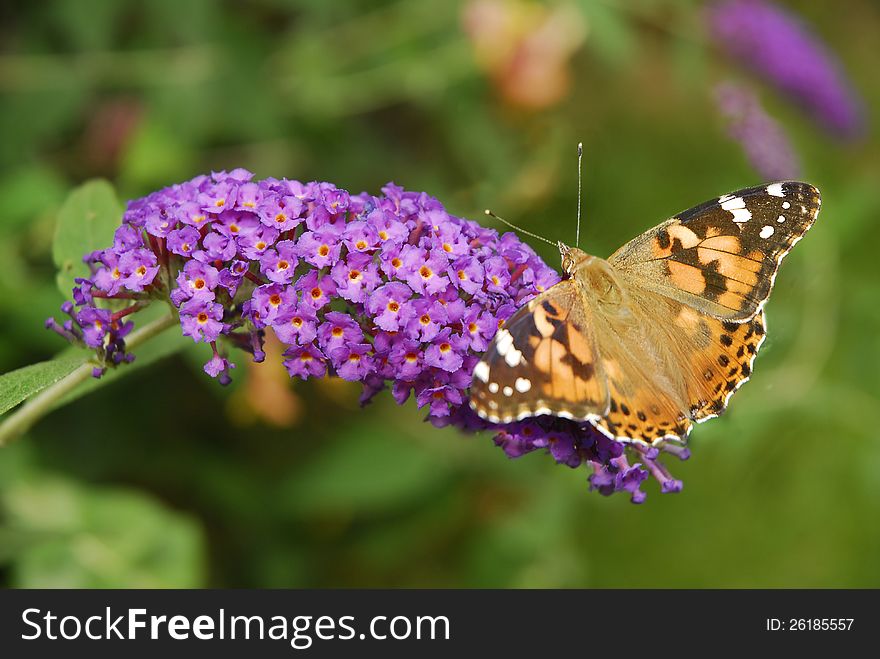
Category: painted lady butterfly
[658,336]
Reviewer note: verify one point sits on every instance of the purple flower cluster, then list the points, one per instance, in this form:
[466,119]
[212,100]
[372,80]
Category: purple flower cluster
[762,138]
[780,48]
[376,289]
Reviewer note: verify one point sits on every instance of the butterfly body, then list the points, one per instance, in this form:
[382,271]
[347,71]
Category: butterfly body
[658,336]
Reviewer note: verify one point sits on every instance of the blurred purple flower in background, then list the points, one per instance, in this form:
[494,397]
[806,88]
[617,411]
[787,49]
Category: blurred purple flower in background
[776,45]
[367,288]
[762,137]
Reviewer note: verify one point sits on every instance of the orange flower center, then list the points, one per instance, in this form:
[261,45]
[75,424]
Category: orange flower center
[185,247]
[361,244]
[234,228]
[220,203]
[275,300]
[305,357]
[411,357]
[141,271]
[426,272]
[396,262]
[202,318]
[323,250]
[447,247]
[354,275]
[198,219]
[296,321]
[425,319]
[281,218]
[462,275]
[316,293]
[261,245]
[393,307]
[354,357]
[383,235]
[337,332]
[283,265]
[199,283]
[445,347]
[116,273]
[472,328]
[495,280]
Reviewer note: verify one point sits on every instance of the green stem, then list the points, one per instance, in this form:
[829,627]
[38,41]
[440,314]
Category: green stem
[21,420]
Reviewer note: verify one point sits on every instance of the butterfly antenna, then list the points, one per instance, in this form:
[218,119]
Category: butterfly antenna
[577,236]
[520,229]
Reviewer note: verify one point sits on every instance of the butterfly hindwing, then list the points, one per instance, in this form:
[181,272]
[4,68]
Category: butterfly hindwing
[721,364]
[721,257]
[715,359]
[541,361]
[646,402]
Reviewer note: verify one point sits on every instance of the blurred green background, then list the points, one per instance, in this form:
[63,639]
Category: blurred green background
[165,479]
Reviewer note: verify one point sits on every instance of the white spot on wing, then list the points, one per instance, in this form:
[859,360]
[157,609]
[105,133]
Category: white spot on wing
[786,205]
[507,391]
[766,232]
[741,215]
[775,189]
[481,372]
[493,387]
[736,206]
[504,342]
[522,385]
[513,357]
[780,219]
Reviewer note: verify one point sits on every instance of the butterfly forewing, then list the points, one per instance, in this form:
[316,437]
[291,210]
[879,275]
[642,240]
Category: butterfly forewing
[541,361]
[721,257]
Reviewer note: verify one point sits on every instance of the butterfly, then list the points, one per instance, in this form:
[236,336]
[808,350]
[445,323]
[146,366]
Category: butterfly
[660,335]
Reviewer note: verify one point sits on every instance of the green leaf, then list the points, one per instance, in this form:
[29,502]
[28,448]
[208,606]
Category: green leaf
[19,385]
[86,222]
[66,535]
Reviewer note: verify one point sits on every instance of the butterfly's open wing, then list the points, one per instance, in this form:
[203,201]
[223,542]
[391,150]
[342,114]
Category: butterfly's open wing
[672,367]
[542,361]
[721,257]
[720,356]
[647,399]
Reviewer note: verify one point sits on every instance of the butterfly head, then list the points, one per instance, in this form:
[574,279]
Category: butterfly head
[572,259]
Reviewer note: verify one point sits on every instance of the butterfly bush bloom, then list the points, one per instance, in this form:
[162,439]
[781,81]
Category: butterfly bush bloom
[390,290]
[780,48]
[762,138]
